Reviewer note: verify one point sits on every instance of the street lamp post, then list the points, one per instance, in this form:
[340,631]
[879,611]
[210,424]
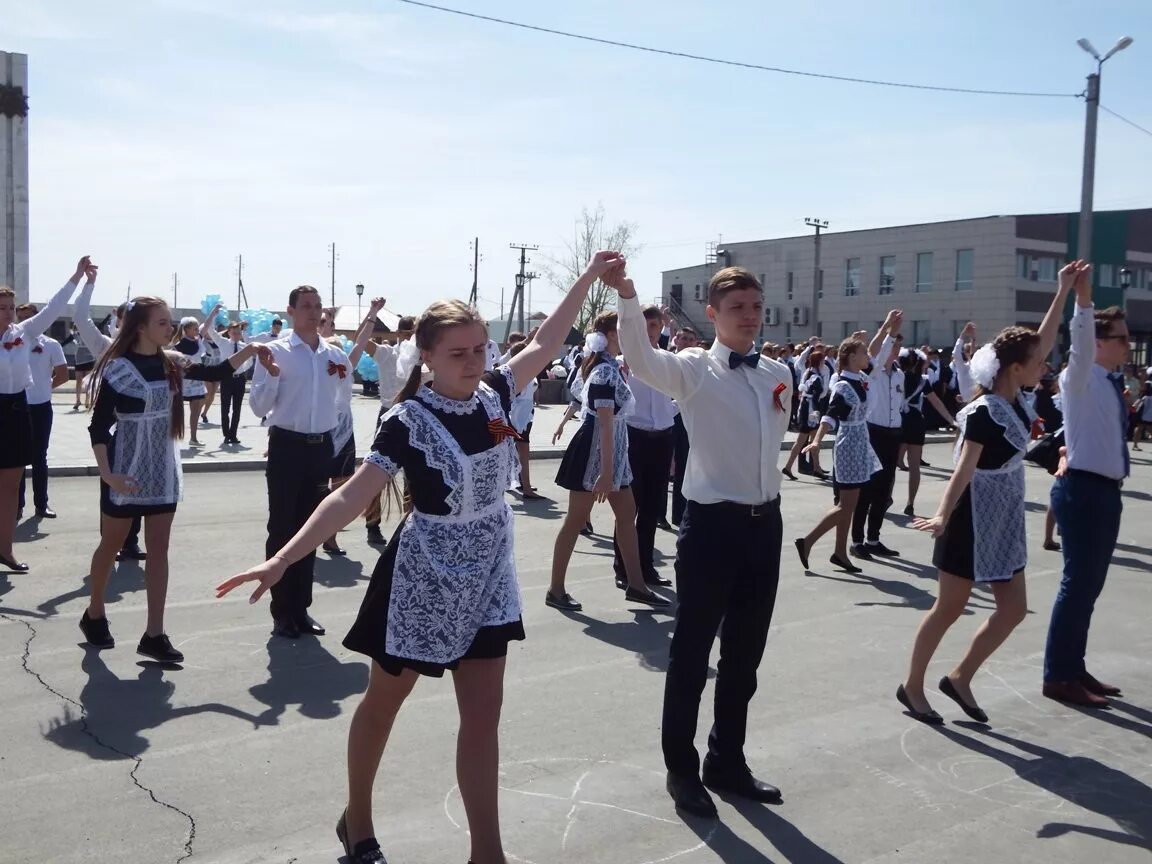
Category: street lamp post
[1092,102]
[359,295]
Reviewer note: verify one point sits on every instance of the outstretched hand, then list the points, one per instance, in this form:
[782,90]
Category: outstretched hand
[267,359]
[933,526]
[267,574]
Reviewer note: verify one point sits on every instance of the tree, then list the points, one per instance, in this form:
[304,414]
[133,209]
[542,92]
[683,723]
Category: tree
[592,234]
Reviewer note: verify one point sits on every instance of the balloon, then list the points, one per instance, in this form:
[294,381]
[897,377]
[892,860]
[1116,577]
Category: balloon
[367,368]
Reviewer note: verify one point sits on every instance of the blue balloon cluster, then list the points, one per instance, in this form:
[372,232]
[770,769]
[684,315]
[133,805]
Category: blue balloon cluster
[259,320]
[208,303]
[367,368]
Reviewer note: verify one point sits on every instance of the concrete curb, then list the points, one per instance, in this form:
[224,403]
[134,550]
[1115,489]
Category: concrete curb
[210,466]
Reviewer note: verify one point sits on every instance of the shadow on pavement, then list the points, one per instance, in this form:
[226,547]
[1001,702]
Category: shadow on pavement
[127,576]
[303,673]
[646,636]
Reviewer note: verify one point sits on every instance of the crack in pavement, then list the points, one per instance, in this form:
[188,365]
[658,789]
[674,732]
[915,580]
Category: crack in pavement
[87,730]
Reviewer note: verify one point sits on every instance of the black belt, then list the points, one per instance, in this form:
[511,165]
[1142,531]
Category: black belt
[890,430]
[1092,475]
[753,510]
[650,433]
[300,437]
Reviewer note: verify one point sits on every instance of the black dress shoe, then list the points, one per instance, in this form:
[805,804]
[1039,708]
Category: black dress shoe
[690,795]
[374,535]
[131,553]
[333,548]
[741,783]
[649,598]
[159,648]
[859,550]
[654,578]
[285,628]
[621,582]
[664,526]
[45,513]
[7,563]
[880,549]
[973,711]
[96,631]
[309,626]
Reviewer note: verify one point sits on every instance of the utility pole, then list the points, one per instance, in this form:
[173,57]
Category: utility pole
[501,301]
[517,307]
[817,273]
[332,265]
[241,297]
[175,288]
[531,277]
[474,296]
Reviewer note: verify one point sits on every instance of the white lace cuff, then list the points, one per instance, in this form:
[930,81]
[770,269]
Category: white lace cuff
[383,463]
[506,371]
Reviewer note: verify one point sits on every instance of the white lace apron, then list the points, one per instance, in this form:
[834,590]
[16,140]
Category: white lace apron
[853,457]
[454,574]
[608,373]
[999,539]
[142,445]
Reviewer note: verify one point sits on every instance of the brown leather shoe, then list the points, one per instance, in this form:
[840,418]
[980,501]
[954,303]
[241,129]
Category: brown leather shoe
[1074,693]
[1099,687]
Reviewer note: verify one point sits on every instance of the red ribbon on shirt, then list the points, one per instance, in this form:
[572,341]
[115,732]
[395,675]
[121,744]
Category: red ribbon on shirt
[39,349]
[777,393]
[337,369]
[501,430]
[16,343]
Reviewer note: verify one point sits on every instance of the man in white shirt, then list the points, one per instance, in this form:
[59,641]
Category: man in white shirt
[272,335]
[684,339]
[650,443]
[231,389]
[49,370]
[1086,499]
[297,395]
[885,421]
[735,407]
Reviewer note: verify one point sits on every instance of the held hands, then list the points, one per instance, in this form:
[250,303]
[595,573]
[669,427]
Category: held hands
[267,574]
[121,483]
[267,359]
[809,449]
[82,268]
[1077,276]
[604,262]
[933,526]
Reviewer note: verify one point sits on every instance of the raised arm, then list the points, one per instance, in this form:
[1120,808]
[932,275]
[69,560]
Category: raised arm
[669,373]
[960,362]
[208,328]
[90,334]
[43,319]
[887,329]
[1050,326]
[1083,326]
[550,337]
[365,332]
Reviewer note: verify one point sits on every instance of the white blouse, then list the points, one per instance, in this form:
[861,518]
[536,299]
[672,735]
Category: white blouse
[18,340]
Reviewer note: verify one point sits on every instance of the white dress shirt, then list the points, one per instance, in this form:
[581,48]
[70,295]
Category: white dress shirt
[730,414]
[885,390]
[390,382]
[302,398]
[653,411]
[228,348]
[491,356]
[17,341]
[45,356]
[90,334]
[963,377]
[1093,431]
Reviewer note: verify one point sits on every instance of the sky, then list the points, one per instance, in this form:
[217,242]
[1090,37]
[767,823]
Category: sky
[172,136]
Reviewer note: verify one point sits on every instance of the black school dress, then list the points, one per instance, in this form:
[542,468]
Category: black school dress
[445,588]
[1004,552]
[135,397]
[914,423]
[812,389]
[581,465]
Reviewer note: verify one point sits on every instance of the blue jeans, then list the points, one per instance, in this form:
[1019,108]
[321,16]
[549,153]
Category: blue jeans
[1087,509]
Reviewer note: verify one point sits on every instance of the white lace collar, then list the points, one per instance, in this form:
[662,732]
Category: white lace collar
[443,403]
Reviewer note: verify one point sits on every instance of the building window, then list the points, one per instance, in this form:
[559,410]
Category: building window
[921,333]
[764,281]
[852,277]
[963,269]
[1047,268]
[1037,268]
[1107,278]
[923,272]
[1143,279]
[697,293]
[887,274]
[790,284]
[851,327]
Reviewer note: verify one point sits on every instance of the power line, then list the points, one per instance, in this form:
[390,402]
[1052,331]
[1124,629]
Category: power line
[740,64]
[1124,119]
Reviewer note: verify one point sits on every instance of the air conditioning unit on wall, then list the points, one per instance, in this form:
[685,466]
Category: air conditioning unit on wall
[772,316]
[800,315]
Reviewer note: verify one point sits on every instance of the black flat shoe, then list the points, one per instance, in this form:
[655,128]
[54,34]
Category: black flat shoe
[285,628]
[845,565]
[690,795]
[741,783]
[788,473]
[7,563]
[820,475]
[801,551]
[973,711]
[664,526]
[375,536]
[131,553]
[45,513]
[909,510]
[649,598]
[365,852]
[1052,546]
[587,530]
[159,648]
[333,549]
[96,632]
[930,717]
[309,626]
[565,603]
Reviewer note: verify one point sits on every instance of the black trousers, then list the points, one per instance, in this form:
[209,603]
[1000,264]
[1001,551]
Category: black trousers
[872,506]
[650,457]
[727,572]
[41,416]
[231,398]
[680,463]
[297,474]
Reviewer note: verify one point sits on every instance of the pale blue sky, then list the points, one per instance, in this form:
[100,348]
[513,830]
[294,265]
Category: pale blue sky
[172,135]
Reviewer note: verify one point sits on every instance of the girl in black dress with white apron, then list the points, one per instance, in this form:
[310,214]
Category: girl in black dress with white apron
[808,413]
[979,526]
[193,390]
[137,421]
[914,429]
[444,594]
[853,459]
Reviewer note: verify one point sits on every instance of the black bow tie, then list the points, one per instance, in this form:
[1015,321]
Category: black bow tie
[752,360]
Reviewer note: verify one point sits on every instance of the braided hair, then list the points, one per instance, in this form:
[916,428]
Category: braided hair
[1013,345]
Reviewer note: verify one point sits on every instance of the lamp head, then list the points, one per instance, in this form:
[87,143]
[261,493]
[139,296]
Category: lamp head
[359,290]
[1087,46]
[1125,278]
[1120,45]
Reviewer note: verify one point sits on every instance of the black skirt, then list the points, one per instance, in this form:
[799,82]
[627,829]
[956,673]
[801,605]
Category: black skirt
[953,552]
[16,450]
[369,633]
[914,428]
[344,462]
[127,511]
[86,366]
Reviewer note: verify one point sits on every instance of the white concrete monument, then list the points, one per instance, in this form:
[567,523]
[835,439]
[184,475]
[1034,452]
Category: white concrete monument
[14,173]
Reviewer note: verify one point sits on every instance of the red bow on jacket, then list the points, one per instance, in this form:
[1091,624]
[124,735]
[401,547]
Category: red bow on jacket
[337,369]
[16,343]
[777,393]
[39,349]
[501,430]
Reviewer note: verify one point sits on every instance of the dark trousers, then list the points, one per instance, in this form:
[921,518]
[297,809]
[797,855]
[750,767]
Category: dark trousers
[650,457]
[727,572]
[41,416]
[872,506]
[231,398]
[680,463]
[297,475]
[1087,508]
